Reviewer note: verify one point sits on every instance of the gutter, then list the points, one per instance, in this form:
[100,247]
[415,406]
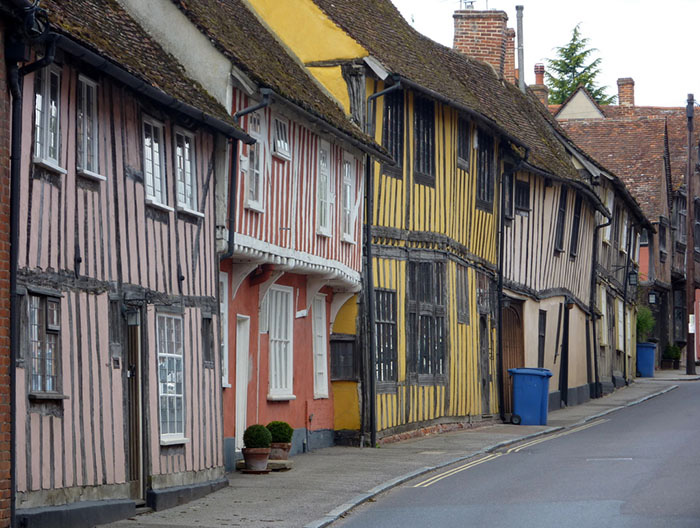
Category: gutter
[372,151]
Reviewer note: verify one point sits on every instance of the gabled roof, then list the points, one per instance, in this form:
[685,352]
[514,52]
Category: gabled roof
[379,27]
[238,34]
[104,27]
[581,97]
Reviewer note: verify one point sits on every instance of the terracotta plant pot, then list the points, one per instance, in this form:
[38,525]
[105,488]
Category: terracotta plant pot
[280,450]
[256,458]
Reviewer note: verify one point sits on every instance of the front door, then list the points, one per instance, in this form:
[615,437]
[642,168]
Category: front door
[134,404]
[485,365]
[513,351]
[242,351]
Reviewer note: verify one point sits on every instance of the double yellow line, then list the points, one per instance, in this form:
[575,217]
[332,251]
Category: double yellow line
[456,470]
[552,437]
[494,456]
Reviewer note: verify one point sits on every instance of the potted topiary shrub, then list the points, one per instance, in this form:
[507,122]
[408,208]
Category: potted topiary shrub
[257,441]
[281,439]
[672,357]
[646,352]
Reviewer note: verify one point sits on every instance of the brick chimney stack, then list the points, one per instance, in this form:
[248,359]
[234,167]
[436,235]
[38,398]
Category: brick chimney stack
[539,88]
[483,35]
[625,92]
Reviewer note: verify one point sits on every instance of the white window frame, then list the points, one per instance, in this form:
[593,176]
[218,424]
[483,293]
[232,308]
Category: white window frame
[184,202]
[281,333]
[281,144]
[154,184]
[324,193]
[167,352]
[609,203]
[87,115]
[320,346]
[604,310]
[620,326]
[223,318]
[623,235]
[254,166]
[347,210]
[42,133]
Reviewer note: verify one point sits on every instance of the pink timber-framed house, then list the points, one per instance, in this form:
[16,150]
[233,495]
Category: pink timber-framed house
[118,370]
[291,232]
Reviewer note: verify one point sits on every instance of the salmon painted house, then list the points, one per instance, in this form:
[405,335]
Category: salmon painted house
[118,374]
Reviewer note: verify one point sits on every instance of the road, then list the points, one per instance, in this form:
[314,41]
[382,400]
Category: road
[638,467]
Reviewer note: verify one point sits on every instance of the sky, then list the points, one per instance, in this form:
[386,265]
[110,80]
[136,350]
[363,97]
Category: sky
[652,42]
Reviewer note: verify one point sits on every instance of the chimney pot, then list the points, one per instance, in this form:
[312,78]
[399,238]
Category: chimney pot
[625,91]
[539,73]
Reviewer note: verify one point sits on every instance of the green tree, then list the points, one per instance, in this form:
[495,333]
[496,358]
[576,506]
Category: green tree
[572,68]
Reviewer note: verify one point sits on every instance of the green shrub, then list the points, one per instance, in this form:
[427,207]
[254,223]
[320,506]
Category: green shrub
[281,431]
[257,436]
[645,323]
[672,352]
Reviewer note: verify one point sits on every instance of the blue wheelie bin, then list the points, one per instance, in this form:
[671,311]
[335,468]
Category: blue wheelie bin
[530,395]
[646,353]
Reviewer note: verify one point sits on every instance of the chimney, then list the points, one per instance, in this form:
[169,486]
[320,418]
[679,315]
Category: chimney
[483,35]
[539,88]
[625,92]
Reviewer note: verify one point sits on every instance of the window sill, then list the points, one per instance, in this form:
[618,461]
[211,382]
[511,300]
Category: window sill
[392,170]
[347,239]
[324,234]
[225,385]
[605,241]
[186,210]
[487,207]
[522,212]
[49,165]
[174,441]
[281,397]
[91,175]
[321,396]
[157,205]
[254,206]
[282,156]
[47,396]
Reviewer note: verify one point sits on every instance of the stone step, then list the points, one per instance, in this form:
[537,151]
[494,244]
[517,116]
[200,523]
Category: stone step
[274,465]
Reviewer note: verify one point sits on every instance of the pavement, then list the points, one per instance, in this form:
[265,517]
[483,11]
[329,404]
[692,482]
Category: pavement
[327,483]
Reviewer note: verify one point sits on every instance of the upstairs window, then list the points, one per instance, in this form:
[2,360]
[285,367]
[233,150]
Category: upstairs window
[522,196]
[348,212]
[644,238]
[324,192]
[484,171]
[696,226]
[392,130]
[281,145]
[87,127]
[47,116]
[508,184]
[253,166]
[662,241]
[44,325]
[463,143]
[186,170]
[153,166]
[561,221]
[575,228]
[424,141]
[623,231]
[681,219]
[609,204]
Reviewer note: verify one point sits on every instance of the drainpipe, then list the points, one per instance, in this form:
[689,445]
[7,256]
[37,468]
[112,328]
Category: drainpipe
[34,29]
[371,107]
[624,299]
[501,249]
[597,389]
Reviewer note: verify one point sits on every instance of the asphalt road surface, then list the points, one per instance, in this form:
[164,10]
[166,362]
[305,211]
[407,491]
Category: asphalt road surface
[638,467]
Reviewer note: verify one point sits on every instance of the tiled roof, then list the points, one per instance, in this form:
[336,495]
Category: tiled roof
[379,27]
[239,35]
[105,28]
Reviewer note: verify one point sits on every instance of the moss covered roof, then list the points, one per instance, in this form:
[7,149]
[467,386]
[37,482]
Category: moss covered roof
[237,33]
[379,27]
[105,28]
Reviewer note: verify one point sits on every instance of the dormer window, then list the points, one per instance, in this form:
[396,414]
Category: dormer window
[281,146]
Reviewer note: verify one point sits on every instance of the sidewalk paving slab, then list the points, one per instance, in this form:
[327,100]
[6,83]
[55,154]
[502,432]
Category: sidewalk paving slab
[327,483]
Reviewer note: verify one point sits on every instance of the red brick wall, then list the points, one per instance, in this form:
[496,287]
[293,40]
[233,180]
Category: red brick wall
[484,36]
[625,91]
[4,288]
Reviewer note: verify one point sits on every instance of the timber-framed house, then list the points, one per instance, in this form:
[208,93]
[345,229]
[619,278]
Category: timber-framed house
[456,132]
[118,376]
[291,228]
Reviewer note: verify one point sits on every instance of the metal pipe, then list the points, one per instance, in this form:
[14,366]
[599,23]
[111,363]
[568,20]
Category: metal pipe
[624,298]
[370,125]
[521,53]
[232,185]
[690,248]
[597,392]
[371,371]
[264,103]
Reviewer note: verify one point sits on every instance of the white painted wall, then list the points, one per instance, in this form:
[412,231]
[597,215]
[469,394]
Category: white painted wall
[580,107]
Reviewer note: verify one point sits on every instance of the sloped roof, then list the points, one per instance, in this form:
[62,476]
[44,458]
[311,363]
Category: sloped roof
[104,27]
[239,35]
[379,27]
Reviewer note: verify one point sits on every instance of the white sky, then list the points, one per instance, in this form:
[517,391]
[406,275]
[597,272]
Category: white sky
[655,43]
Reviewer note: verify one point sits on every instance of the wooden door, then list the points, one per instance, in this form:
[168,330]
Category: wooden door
[485,365]
[513,350]
[134,405]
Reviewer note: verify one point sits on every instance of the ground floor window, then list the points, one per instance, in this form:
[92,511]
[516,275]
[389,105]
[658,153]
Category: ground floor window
[171,376]
[280,328]
[44,342]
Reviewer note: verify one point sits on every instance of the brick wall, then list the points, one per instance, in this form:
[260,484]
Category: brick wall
[625,92]
[484,36]
[5,423]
